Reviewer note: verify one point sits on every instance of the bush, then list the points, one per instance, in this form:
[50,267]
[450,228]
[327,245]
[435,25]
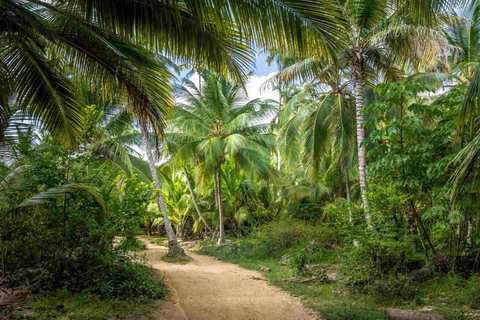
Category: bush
[63,304]
[275,239]
[125,277]
[70,244]
[297,263]
[285,234]
[113,275]
[305,210]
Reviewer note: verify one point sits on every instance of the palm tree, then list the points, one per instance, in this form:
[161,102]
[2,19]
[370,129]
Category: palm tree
[173,246]
[113,143]
[377,41]
[104,43]
[464,35]
[219,123]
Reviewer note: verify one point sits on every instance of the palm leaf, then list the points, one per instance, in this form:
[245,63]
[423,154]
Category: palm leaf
[52,195]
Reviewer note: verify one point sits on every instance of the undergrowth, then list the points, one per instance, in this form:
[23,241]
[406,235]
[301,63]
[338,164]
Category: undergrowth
[361,289]
[81,306]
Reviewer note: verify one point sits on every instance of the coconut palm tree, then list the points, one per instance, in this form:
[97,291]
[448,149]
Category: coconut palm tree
[173,246]
[378,40]
[46,43]
[381,36]
[114,142]
[220,123]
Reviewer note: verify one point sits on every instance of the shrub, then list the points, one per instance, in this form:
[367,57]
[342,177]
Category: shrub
[274,239]
[285,234]
[305,210]
[297,263]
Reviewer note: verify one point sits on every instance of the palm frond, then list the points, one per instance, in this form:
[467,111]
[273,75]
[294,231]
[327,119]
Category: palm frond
[52,195]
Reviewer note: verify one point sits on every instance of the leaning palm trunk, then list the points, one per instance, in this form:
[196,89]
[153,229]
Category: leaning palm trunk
[221,237]
[361,137]
[195,202]
[173,246]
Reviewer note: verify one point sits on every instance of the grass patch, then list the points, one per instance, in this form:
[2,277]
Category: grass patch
[176,258]
[82,306]
[450,296]
[161,241]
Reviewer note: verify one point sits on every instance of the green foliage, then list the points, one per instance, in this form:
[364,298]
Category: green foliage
[130,211]
[123,277]
[474,295]
[277,238]
[68,241]
[351,313]
[84,306]
[308,211]
[297,262]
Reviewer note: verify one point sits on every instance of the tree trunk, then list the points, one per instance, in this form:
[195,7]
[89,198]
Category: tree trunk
[277,121]
[221,237]
[420,225]
[279,161]
[195,202]
[358,80]
[469,232]
[215,188]
[173,247]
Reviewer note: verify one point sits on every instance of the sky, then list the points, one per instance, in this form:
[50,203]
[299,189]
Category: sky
[261,75]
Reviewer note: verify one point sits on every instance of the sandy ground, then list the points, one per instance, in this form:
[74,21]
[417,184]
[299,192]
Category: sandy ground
[208,289]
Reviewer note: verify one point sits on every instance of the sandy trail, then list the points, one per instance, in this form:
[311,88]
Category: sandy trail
[208,289]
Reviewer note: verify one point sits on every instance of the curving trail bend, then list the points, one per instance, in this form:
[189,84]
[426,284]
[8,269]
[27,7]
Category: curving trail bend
[208,289]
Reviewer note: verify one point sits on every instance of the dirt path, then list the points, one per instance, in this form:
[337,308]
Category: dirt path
[208,289]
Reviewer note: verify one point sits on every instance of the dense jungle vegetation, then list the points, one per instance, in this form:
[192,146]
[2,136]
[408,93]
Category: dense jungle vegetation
[356,189]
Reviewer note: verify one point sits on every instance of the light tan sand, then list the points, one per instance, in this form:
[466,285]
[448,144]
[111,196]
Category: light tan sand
[208,289]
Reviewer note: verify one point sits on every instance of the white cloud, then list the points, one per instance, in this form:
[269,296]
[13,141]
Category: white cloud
[254,88]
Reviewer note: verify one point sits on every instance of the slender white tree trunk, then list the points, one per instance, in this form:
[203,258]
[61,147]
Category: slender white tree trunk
[173,246]
[221,237]
[279,161]
[195,202]
[359,92]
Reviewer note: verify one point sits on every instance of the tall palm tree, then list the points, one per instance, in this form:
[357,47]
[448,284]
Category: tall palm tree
[381,36]
[217,123]
[378,40]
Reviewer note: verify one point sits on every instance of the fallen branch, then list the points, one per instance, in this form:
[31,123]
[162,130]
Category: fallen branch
[12,298]
[258,278]
[437,264]
[296,280]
